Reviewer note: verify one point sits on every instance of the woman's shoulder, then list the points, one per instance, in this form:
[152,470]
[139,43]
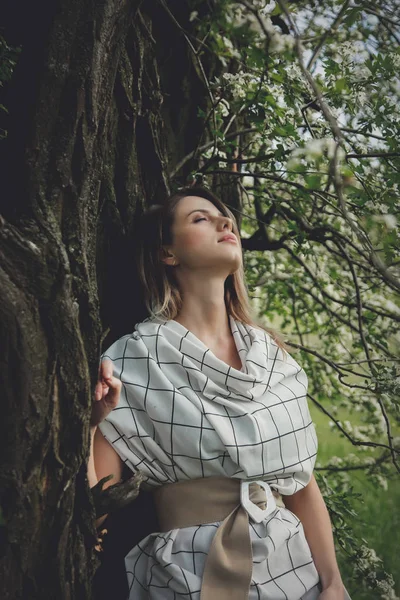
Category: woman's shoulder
[127,342]
[118,348]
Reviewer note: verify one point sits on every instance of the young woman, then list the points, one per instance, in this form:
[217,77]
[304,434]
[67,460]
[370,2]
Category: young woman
[212,409]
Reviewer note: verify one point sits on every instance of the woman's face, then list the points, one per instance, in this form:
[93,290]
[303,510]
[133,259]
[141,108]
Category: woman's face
[197,235]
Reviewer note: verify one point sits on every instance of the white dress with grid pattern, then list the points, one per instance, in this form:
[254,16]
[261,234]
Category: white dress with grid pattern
[184,414]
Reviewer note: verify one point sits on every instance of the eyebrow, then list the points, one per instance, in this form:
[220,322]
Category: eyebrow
[203,210]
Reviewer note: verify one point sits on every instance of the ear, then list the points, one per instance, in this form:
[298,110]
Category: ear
[167,257]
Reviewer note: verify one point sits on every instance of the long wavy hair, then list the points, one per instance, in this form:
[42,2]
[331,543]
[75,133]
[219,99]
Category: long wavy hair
[161,292]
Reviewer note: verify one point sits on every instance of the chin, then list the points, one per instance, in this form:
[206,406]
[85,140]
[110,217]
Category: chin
[235,267]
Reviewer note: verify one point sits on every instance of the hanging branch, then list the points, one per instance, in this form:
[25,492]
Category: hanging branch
[334,170]
[354,442]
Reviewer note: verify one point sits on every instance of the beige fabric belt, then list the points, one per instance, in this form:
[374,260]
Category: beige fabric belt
[229,564]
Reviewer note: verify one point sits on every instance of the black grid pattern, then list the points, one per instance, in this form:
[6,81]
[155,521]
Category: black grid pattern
[184,414]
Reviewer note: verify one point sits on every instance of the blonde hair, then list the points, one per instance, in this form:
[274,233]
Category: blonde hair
[161,292]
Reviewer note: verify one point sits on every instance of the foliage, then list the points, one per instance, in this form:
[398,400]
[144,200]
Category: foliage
[305,120]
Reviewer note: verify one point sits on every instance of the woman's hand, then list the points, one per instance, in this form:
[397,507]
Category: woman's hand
[106,394]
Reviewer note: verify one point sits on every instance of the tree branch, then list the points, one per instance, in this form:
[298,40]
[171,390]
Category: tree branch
[342,302]
[335,366]
[368,356]
[205,146]
[368,466]
[374,155]
[354,442]
[327,33]
[115,496]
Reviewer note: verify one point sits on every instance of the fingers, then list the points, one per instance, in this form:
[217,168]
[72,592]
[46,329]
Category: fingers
[114,392]
[114,384]
[98,391]
[107,384]
[101,390]
[105,372]
[106,368]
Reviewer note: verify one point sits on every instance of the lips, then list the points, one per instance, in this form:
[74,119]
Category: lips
[229,236]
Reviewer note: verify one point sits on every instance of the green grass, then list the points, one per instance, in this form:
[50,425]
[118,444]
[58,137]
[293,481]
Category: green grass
[379,515]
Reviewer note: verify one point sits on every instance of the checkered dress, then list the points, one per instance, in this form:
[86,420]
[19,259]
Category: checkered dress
[184,414]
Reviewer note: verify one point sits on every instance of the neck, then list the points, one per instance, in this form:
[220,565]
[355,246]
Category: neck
[203,311]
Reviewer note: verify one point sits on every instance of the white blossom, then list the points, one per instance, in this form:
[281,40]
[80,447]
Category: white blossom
[224,107]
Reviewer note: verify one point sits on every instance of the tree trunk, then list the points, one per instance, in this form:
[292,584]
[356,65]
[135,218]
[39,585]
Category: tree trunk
[103,102]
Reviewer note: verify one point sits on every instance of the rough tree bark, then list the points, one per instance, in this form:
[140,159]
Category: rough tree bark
[102,103]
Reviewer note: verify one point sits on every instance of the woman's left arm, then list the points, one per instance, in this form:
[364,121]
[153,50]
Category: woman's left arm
[309,506]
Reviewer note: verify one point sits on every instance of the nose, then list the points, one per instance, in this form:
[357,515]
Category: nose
[226,222]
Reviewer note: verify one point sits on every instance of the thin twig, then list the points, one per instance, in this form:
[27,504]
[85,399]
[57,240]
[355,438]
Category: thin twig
[337,423]
[368,356]
[367,466]
[383,17]
[207,145]
[329,362]
[374,155]
[327,33]
[342,302]
[365,133]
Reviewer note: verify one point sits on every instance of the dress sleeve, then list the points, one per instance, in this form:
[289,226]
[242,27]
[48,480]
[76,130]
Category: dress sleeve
[116,427]
[128,427]
[296,453]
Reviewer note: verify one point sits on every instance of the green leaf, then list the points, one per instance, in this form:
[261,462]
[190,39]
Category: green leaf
[340,84]
[313,181]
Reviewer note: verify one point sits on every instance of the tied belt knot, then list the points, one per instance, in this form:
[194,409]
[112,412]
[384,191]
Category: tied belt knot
[229,563]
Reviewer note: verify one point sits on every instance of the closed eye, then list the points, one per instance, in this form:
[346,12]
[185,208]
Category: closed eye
[201,219]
